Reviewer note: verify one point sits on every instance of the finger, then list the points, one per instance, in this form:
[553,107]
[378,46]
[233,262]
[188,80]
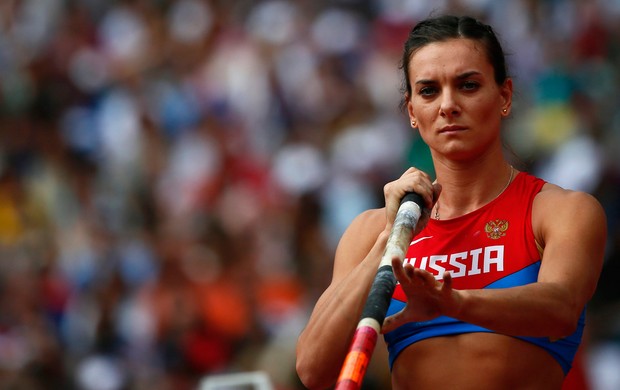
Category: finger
[404,273]
[429,196]
[397,268]
[447,280]
[424,277]
[419,182]
[409,270]
[436,191]
[409,170]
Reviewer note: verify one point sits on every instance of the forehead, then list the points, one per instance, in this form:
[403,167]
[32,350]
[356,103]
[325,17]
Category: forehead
[454,56]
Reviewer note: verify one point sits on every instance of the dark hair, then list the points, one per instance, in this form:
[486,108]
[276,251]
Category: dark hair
[443,28]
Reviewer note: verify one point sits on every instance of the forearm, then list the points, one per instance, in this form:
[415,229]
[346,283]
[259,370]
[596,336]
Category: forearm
[323,344]
[537,310]
[573,229]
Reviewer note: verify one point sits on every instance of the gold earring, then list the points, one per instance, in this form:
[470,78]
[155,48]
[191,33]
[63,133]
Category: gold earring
[413,123]
[505,110]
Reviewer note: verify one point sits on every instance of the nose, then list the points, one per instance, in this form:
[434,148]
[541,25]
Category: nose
[448,105]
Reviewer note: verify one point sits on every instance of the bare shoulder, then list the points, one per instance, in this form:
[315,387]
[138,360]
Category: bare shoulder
[555,208]
[358,239]
[370,222]
[554,198]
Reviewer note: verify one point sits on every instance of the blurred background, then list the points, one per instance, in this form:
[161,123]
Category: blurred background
[175,175]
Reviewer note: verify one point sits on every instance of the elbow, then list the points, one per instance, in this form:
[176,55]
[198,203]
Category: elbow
[563,329]
[306,375]
[566,322]
[302,372]
[312,365]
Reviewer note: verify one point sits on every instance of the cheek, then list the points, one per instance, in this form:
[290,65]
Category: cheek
[426,126]
[426,114]
[487,111]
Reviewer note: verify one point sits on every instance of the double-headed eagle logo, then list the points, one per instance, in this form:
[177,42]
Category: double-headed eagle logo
[496,229]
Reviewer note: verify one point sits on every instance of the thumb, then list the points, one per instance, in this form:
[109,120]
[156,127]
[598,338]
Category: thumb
[394,321]
[436,191]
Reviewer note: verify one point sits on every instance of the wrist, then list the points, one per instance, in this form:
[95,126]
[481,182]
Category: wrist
[457,304]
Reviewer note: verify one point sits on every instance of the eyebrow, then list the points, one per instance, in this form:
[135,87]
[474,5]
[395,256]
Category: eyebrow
[462,76]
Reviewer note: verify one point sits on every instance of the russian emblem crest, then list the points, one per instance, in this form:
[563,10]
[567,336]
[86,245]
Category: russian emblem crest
[496,229]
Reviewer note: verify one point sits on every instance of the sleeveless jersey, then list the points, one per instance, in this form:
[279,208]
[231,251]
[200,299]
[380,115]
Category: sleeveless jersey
[492,247]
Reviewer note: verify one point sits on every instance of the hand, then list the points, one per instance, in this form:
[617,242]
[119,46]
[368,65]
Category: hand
[427,297]
[413,180]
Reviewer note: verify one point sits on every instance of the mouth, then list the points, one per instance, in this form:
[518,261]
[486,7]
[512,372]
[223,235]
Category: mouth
[452,129]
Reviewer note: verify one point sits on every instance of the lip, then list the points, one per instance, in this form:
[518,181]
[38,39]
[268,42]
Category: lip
[452,129]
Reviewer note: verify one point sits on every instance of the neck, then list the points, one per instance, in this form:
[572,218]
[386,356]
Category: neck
[467,189]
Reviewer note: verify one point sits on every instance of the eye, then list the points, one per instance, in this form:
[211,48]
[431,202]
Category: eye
[470,85]
[427,91]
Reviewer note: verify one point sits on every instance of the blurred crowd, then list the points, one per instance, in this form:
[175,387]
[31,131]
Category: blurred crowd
[175,175]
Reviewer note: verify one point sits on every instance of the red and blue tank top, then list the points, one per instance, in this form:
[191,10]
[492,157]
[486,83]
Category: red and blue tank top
[492,247]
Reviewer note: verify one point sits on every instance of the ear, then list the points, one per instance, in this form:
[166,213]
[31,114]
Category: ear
[506,96]
[412,117]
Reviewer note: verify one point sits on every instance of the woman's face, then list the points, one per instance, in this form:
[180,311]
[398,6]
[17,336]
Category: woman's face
[455,101]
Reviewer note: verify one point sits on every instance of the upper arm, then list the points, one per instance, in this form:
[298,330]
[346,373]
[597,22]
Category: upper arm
[572,228]
[357,241]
